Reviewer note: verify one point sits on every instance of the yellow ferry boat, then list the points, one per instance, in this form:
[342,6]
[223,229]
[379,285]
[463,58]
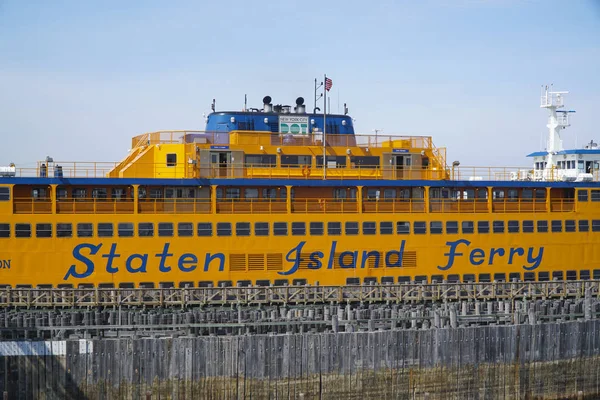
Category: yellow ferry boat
[279,196]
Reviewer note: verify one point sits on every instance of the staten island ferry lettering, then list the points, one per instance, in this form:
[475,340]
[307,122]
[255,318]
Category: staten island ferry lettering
[165,261]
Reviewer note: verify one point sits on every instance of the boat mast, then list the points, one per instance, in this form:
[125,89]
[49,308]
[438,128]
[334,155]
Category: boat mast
[557,121]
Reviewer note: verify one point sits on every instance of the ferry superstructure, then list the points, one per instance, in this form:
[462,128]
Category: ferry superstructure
[279,196]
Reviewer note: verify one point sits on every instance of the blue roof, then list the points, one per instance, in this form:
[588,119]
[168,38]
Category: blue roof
[562,152]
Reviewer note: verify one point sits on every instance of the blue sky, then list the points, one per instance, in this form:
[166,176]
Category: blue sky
[78,79]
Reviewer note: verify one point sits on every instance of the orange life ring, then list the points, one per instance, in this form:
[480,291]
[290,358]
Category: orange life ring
[306,171]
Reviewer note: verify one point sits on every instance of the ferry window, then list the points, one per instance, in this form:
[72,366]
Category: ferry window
[527,226]
[484,278]
[185,229]
[334,228]
[332,161]
[542,226]
[99,193]
[387,280]
[223,229]
[582,195]
[435,227]
[557,275]
[402,227]
[513,194]
[351,228]
[483,227]
[469,278]
[352,281]
[295,161]
[468,227]
[452,227]
[513,226]
[339,193]
[263,282]
[4,194]
[283,193]
[262,160]
[389,194]
[117,193]
[595,195]
[316,228]
[584,274]
[556,226]
[299,282]
[453,278]
[364,161]
[369,228]
[298,228]
[543,276]
[500,277]
[61,193]
[156,193]
[64,230]
[584,225]
[85,229]
[79,193]
[596,274]
[4,230]
[571,275]
[250,193]
[498,194]
[165,229]
[232,193]
[242,228]
[280,228]
[386,228]
[261,229]
[420,227]
[540,194]
[596,225]
[43,230]
[498,226]
[528,276]
[437,278]
[269,193]
[105,229]
[527,194]
[125,229]
[514,276]
[373,194]
[570,225]
[281,282]
[145,229]
[404,279]
[171,160]
[421,279]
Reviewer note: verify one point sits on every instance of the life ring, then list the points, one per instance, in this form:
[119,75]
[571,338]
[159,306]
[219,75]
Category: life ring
[306,171]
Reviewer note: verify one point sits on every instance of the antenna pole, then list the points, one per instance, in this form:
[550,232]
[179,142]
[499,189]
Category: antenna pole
[325,127]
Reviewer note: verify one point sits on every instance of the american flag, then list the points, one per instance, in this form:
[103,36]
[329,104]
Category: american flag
[328,84]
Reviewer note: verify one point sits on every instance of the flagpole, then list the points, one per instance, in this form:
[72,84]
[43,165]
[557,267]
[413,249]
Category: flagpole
[325,127]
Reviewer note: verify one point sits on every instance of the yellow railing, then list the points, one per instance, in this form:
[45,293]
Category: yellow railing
[148,170]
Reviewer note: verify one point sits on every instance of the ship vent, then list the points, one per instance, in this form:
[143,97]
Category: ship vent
[305,260]
[274,262]
[409,259]
[256,262]
[274,126]
[237,262]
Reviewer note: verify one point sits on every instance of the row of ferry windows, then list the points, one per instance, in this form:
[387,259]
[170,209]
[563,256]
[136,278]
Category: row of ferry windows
[542,276]
[203,229]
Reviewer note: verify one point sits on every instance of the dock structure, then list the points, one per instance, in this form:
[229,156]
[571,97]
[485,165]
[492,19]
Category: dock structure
[292,295]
